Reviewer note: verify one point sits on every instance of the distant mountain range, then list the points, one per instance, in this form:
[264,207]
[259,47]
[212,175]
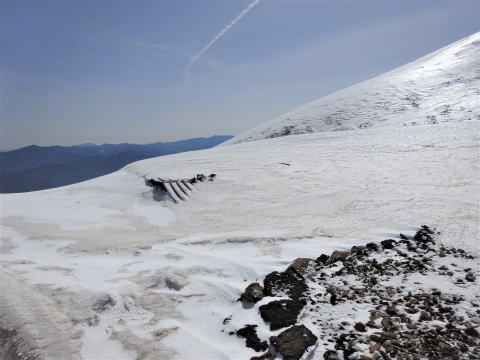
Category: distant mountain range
[37,168]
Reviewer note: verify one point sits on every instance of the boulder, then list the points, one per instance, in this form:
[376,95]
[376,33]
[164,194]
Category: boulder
[252,293]
[281,313]
[338,255]
[388,244]
[359,326]
[471,331]
[322,259]
[249,332]
[288,283]
[470,277]
[372,246]
[300,264]
[424,235]
[293,342]
[266,356]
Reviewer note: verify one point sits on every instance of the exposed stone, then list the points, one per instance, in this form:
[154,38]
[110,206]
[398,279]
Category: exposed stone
[253,293]
[470,277]
[338,255]
[293,342]
[249,332]
[289,282]
[300,264]
[471,331]
[281,313]
[388,244]
[331,355]
[322,259]
[359,326]
[266,356]
[425,316]
[372,246]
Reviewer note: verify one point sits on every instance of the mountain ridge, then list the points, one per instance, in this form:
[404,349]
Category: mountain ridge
[422,89]
[37,168]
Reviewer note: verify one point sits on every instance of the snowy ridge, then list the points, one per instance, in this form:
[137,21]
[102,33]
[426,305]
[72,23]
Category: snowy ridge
[442,86]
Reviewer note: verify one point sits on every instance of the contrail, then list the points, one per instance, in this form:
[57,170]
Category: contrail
[221,33]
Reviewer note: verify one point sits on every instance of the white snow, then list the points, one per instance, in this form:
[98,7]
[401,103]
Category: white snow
[176,270]
[440,87]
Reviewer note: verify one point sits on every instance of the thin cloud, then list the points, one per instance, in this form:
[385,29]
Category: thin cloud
[220,34]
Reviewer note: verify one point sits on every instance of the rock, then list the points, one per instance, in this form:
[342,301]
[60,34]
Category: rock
[322,259]
[338,255]
[424,235]
[293,342]
[266,356]
[357,249]
[281,313]
[388,325]
[375,347]
[372,246]
[391,310]
[300,264]
[359,326]
[470,277]
[388,244]
[253,293]
[249,332]
[471,331]
[289,282]
[104,303]
[331,355]
[425,316]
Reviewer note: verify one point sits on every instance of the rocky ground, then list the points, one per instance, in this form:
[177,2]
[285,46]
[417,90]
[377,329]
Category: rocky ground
[409,298]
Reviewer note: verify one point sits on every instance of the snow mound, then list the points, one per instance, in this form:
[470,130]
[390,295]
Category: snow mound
[440,87]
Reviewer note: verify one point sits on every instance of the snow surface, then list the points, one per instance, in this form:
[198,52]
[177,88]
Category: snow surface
[442,86]
[175,271]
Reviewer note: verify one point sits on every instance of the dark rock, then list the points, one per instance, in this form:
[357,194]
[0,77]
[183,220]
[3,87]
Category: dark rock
[388,244]
[300,264]
[471,331]
[293,342]
[331,355]
[391,310]
[424,235]
[253,293]
[470,277]
[281,313]
[289,282]
[372,246]
[322,259]
[249,332]
[359,326]
[266,356]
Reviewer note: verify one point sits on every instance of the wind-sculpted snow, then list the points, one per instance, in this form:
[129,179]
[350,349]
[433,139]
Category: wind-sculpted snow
[123,276]
[441,87]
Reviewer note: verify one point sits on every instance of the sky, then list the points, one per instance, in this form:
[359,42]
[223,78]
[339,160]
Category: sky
[146,71]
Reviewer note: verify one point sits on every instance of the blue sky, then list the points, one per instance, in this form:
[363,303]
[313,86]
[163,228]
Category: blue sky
[114,71]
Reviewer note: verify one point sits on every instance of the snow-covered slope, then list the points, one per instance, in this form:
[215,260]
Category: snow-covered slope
[174,271]
[102,270]
[442,86]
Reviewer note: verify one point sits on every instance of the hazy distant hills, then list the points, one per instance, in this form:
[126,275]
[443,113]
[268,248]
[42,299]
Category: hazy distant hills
[37,167]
